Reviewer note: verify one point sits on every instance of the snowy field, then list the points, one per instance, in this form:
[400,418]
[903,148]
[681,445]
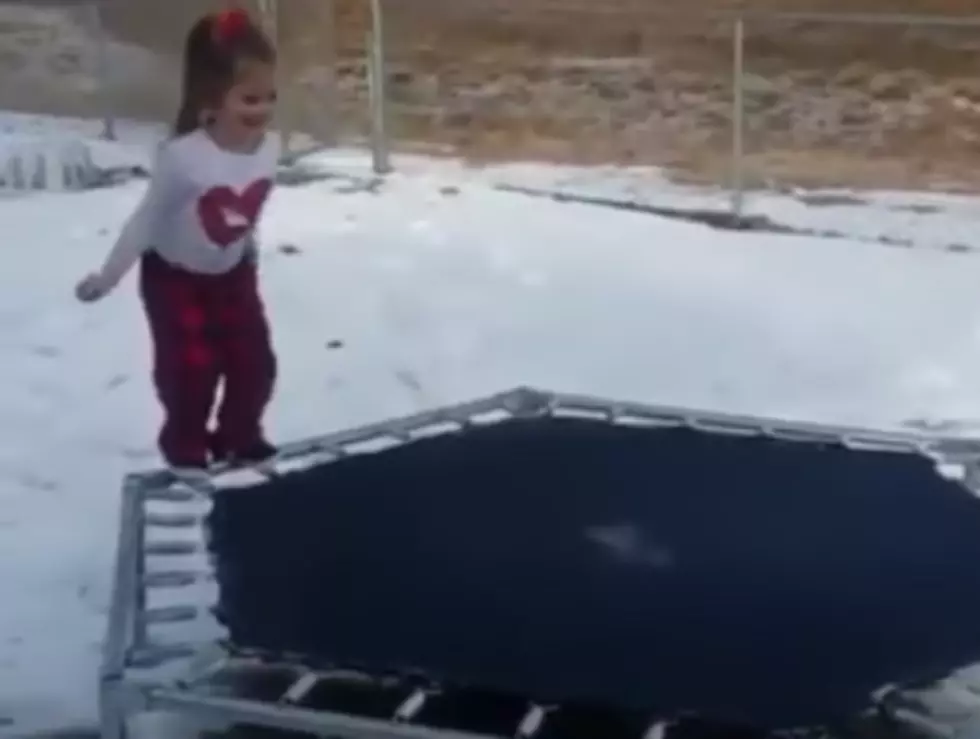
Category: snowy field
[435,287]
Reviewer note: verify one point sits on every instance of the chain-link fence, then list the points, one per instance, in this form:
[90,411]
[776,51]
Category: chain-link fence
[736,98]
[120,59]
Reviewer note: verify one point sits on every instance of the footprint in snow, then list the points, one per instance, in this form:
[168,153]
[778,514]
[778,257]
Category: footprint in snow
[116,381]
[32,481]
[48,352]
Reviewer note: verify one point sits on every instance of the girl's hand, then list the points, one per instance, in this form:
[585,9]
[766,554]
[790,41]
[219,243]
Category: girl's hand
[91,288]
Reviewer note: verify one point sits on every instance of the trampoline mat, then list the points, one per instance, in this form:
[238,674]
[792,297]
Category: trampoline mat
[750,580]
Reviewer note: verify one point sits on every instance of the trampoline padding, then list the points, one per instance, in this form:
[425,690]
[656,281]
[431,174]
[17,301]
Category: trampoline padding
[666,571]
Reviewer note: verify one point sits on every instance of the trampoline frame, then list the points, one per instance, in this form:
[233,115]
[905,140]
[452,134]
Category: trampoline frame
[131,679]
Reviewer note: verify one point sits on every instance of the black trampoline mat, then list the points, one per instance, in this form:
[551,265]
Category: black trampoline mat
[661,571]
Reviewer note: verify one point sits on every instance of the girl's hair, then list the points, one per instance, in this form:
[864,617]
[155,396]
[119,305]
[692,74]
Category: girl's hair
[215,48]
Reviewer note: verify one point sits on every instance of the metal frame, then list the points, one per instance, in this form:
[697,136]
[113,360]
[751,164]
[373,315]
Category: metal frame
[142,672]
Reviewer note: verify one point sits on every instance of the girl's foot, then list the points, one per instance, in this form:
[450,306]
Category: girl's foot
[258,451]
[190,470]
[183,452]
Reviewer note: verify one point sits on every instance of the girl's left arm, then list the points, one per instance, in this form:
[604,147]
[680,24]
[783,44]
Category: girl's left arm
[143,225]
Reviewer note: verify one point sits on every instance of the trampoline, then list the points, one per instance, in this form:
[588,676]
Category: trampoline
[547,553]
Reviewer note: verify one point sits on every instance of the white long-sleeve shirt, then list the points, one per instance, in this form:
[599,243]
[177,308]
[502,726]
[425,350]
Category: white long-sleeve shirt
[200,210]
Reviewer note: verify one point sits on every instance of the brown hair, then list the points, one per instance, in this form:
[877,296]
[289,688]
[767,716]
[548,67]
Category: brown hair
[215,47]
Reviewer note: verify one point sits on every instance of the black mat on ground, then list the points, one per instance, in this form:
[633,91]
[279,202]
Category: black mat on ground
[665,571]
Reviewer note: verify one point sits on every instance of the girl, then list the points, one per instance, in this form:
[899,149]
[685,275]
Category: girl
[193,235]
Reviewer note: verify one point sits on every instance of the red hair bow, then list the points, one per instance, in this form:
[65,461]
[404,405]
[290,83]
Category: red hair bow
[230,23]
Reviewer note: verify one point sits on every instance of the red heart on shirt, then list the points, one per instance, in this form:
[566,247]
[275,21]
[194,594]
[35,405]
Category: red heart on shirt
[227,215]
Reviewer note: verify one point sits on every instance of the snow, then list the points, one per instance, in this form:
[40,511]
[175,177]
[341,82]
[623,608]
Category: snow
[920,219]
[434,287]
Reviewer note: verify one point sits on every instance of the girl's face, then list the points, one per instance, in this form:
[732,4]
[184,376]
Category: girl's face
[248,107]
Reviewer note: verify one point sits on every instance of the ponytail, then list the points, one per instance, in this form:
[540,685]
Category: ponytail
[188,117]
[189,112]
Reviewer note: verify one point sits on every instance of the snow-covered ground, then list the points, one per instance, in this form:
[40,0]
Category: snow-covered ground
[435,287]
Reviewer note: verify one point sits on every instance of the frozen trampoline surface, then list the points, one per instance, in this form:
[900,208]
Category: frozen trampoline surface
[659,571]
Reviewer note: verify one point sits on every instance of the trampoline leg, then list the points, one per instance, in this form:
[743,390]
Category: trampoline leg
[112,714]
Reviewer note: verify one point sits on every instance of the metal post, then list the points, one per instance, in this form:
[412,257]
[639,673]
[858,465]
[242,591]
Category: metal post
[269,13]
[140,639]
[113,716]
[329,133]
[123,586]
[380,157]
[103,71]
[738,119]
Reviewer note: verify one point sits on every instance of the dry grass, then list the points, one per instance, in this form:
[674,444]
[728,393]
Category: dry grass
[637,82]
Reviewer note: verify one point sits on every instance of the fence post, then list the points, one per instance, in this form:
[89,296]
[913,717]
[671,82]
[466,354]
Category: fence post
[269,13]
[380,157]
[331,112]
[103,71]
[738,120]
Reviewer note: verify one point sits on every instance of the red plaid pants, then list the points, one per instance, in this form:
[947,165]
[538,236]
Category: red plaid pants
[207,329]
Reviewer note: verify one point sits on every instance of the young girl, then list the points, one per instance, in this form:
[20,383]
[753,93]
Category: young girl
[193,235]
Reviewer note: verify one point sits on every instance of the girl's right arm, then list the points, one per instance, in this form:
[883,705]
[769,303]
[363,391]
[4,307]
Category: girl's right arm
[139,231]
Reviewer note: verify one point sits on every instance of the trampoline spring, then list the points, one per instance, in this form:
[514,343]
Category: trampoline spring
[656,419]
[300,689]
[860,443]
[403,435]
[170,548]
[153,656]
[171,494]
[726,428]
[170,579]
[335,451]
[799,435]
[171,520]
[169,615]
[205,666]
[532,722]
[410,707]
[628,418]
[581,413]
